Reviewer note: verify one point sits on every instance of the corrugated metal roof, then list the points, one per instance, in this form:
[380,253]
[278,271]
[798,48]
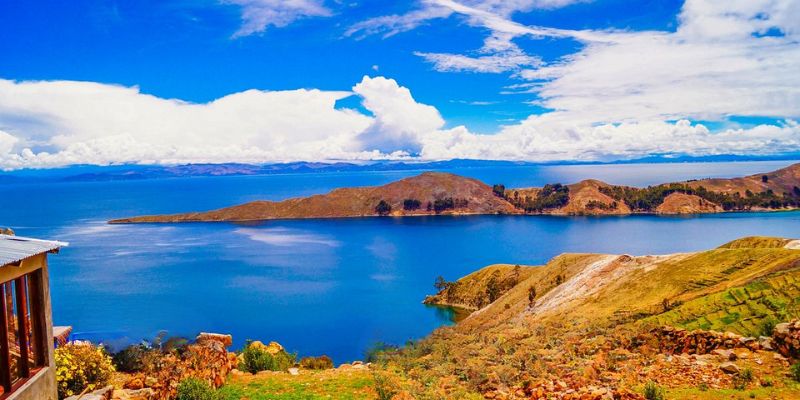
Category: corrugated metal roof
[16,248]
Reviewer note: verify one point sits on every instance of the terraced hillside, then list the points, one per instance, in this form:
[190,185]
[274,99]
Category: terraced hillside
[582,323]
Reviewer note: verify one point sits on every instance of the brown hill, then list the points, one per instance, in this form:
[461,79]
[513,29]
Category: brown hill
[681,203]
[429,193]
[780,181]
[434,193]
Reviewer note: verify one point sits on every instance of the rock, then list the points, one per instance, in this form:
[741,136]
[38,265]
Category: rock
[139,394]
[786,338]
[204,337]
[236,372]
[728,355]
[293,371]
[105,393]
[272,348]
[137,382]
[729,368]
[765,342]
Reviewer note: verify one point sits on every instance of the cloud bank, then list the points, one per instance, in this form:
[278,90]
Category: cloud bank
[623,94]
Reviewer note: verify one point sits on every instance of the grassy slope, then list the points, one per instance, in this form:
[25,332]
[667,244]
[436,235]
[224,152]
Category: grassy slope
[576,323]
[470,292]
[310,385]
[587,307]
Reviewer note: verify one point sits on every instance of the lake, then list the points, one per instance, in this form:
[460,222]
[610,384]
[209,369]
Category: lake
[330,287]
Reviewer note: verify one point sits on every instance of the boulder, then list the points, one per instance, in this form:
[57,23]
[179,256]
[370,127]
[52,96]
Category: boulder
[729,368]
[293,371]
[105,393]
[138,394]
[204,337]
[786,338]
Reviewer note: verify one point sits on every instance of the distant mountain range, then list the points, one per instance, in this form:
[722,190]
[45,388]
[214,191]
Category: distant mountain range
[138,172]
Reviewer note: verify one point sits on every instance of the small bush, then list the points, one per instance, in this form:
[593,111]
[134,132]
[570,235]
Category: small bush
[795,371]
[195,389]
[81,366]
[653,391]
[377,352]
[258,357]
[742,379]
[383,387]
[132,358]
[321,362]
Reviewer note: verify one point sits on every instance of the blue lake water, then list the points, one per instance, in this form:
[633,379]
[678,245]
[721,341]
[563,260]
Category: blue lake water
[320,286]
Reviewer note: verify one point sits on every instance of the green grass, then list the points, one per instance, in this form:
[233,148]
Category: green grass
[754,242]
[746,310]
[789,392]
[355,385]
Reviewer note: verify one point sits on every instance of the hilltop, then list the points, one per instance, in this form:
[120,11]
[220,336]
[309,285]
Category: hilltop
[438,193]
[599,326]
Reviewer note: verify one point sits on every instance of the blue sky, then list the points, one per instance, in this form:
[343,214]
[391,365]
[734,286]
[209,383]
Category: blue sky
[479,83]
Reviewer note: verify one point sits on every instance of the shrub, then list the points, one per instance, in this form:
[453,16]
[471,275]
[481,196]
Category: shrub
[195,389]
[378,351]
[321,362]
[743,378]
[81,366]
[499,190]
[258,357]
[653,391]
[383,208]
[411,204]
[383,387]
[795,371]
[131,358]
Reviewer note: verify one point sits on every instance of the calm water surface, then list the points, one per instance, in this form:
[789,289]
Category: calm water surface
[320,287]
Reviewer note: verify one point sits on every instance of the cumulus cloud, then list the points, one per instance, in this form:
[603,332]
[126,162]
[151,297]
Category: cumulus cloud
[624,94]
[400,122]
[257,15]
[64,122]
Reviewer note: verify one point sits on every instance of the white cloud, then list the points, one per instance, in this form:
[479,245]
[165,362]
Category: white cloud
[617,97]
[257,15]
[495,63]
[400,122]
[81,122]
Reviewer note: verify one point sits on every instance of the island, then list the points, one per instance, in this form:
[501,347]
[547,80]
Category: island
[439,193]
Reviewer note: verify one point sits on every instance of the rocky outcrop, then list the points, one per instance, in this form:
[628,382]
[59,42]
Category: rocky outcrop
[207,359]
[681,341]
[786,339]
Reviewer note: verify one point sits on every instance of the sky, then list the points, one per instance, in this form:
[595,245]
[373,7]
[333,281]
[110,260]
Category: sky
[187,81]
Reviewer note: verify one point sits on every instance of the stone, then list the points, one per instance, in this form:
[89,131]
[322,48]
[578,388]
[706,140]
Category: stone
[766,343]
[204,337]
[139,394]
[105,393]
[137,382]
[293,371]
[729,368]
[725,354]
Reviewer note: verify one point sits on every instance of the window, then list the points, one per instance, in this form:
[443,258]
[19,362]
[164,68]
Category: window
[22,336]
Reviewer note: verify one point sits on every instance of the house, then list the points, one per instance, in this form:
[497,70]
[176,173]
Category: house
[27,360]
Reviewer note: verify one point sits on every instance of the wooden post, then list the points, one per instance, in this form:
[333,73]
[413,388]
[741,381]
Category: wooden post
[22,326]
[5,355]
[39,339]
